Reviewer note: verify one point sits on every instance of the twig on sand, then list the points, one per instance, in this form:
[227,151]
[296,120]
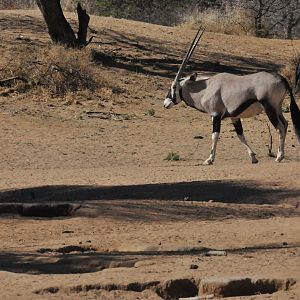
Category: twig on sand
[270,146]
[9,80]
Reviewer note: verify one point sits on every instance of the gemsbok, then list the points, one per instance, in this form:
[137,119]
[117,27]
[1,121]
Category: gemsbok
[232,96]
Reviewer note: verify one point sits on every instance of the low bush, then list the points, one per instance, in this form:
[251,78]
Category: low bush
[56,70]
[150,112]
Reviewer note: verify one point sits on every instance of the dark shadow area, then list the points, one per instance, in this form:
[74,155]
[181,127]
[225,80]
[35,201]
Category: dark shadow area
[154,202]
[240,192]
[149,211]
[23,23]
[23,31]
[160,60]
[36,263]
[168,67]
[42,210]
[75,263]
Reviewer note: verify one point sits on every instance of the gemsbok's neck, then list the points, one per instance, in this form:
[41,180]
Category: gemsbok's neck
[192,101]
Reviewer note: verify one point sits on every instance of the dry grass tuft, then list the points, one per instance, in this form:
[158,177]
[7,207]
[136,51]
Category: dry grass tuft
[235,21]
[67,70]
[56,71]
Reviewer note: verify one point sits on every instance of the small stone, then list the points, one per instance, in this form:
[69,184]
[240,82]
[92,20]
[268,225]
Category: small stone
[68,231]
[194,267]
[216,253]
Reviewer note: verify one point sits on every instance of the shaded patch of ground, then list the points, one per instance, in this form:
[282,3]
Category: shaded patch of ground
[39,210]
[85,259]
[242,192]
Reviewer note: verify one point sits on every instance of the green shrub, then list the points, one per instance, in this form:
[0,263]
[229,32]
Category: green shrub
[173,156]
[150,112]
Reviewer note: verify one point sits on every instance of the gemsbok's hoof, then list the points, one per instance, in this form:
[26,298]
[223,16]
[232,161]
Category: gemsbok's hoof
[254,159]
[208,162]
[279,159]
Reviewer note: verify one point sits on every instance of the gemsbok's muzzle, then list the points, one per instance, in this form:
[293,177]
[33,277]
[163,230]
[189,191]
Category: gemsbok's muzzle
[168,103]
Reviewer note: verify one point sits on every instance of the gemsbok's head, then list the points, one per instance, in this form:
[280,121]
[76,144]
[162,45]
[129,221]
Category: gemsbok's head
[173,96]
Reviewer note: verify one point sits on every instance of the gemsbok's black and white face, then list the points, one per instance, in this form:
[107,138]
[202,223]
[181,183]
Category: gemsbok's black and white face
[172,97]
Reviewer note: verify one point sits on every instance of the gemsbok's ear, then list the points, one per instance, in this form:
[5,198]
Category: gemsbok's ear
[193,77]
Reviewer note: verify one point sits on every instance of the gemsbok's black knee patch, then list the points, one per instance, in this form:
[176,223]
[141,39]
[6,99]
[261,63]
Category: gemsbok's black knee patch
[216,124]
[238,127]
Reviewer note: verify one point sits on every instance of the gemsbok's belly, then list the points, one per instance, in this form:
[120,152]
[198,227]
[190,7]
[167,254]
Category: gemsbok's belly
[251,111]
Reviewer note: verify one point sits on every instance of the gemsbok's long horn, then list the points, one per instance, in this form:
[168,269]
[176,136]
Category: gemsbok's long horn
[189,53]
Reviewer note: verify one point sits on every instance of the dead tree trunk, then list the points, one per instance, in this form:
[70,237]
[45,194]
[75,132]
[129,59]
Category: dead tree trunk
[59,29]
[83,20]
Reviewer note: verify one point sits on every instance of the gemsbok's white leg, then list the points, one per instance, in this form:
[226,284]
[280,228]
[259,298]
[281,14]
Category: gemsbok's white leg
[240,133]
[280,124]
[250,151]
[282,129]
[211,158]
[215,137]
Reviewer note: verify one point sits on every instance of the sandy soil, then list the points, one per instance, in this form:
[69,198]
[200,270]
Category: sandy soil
[143,219]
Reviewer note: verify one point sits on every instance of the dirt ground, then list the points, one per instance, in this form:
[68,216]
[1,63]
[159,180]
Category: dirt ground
[143,221]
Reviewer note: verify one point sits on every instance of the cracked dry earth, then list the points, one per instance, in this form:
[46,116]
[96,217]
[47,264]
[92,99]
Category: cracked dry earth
[91,210]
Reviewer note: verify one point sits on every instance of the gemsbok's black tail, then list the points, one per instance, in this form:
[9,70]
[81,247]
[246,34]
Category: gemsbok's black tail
[295,114]
[294,109]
